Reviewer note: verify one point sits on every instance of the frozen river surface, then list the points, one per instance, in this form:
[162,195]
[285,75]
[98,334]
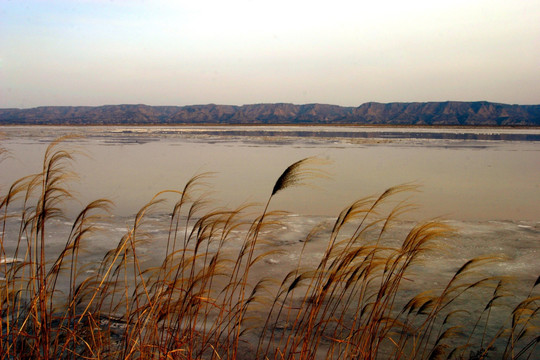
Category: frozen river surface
[489,188]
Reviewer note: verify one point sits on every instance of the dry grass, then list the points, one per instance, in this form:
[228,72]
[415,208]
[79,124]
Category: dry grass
[205,299]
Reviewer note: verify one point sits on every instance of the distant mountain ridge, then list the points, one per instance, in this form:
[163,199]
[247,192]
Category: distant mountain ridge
[448,113]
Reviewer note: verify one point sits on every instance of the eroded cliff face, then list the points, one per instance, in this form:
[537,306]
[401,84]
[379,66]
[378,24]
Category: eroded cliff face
[425,113]
[449,113]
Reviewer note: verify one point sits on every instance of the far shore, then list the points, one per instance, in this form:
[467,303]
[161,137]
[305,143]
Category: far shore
[400,126]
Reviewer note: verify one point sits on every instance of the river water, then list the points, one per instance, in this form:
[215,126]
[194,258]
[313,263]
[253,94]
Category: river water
[483,182]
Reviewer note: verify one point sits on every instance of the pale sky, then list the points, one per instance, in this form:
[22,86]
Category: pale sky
[76,52]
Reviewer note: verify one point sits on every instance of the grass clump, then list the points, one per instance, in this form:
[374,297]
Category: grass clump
[205,296]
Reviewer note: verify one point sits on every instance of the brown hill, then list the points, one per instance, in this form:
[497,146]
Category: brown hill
[420,113]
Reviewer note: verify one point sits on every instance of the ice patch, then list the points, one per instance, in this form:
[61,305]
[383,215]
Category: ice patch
[10,260]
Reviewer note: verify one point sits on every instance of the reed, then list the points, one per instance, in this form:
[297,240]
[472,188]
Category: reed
[204,296]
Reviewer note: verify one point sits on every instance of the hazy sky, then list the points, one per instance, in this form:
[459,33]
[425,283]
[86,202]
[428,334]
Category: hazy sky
[76,52]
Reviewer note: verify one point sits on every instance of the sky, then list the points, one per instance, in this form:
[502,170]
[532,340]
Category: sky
[236,52]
